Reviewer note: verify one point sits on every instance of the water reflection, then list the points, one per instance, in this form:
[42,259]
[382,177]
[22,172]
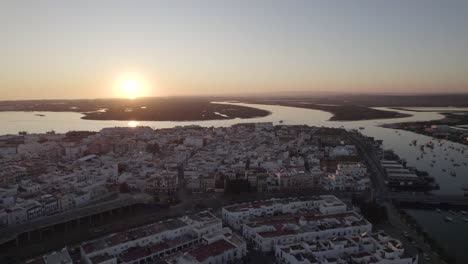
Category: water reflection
[133,123]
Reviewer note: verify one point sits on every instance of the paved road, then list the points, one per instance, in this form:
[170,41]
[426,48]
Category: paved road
[378,180]
[416,241]
[377,173]
[427,198]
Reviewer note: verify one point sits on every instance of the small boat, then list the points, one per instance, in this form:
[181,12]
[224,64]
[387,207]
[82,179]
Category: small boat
[41,115]
[452,212]
[448,219]
[438,210]
[464,212]
[465,219]
[281,121]
[361,128]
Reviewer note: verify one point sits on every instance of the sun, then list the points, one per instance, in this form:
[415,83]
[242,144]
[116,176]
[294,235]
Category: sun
[130,86]
[133,124]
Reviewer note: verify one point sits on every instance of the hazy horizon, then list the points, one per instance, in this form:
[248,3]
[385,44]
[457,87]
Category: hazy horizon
[277,94]
[91,49]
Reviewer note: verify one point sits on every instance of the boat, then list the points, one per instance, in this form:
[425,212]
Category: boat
[465,219]
[361,128]
[438,210]
[453,173]
[281,121]
[452,212]
[464,212]
[448,219]
[41,115]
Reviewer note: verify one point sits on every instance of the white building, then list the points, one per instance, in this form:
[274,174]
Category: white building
[348,176]
[216,248]
[267,232]
[238,214]
[196,233]
[374,248]
[62,257]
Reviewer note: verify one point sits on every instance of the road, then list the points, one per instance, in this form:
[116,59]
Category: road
[412,241]
[378,180]
[397,227]
[373,162]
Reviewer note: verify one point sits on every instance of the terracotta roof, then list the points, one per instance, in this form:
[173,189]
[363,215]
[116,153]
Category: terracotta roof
[214,249]
[134,253]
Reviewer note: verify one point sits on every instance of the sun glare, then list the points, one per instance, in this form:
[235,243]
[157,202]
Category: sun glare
[130,86]
[133,123]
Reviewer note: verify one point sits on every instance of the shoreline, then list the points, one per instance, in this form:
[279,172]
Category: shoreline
[160,109]
[339,112]
[440,129]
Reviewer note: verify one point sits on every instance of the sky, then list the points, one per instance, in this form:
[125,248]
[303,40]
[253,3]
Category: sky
[81,49]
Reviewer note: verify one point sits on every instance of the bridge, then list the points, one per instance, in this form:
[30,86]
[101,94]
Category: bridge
[427,199]
[13,233]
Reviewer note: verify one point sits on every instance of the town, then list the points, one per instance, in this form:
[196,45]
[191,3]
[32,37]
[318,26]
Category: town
[50,179]
[311,230]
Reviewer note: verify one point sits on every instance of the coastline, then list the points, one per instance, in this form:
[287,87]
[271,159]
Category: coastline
[339,112]
[448,128]
[144,109]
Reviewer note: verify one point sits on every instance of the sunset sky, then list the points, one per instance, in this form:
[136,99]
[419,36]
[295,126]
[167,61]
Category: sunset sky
[81,49]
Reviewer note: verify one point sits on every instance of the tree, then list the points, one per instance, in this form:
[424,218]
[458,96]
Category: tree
[124,188]
[153,148]
[237,186]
